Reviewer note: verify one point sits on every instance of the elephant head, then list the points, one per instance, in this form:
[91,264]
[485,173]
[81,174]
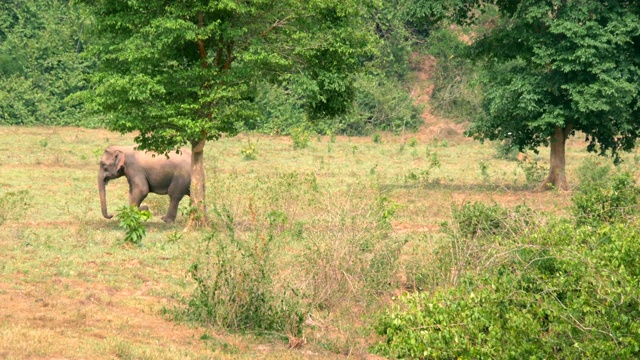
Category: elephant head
[111,167]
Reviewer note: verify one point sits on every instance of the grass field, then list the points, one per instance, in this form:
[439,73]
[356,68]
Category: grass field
[71,289]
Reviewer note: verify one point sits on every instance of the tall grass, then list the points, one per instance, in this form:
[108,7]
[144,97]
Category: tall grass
[296,252]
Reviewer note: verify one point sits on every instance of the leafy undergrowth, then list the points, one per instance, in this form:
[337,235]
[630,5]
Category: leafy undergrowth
[567,292]
[306,247]
[568,289]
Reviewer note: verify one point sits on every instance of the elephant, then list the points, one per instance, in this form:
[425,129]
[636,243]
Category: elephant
[146,172]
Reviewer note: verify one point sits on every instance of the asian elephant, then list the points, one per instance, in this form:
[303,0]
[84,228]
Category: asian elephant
[146,172]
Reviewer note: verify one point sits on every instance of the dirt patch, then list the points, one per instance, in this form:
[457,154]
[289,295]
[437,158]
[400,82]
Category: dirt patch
[423,67]
[71,318]
[97,311]
[442,130]
[434,127]
[410,227]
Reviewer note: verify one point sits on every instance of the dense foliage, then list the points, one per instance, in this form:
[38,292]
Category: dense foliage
[604,196]
[378,104]
[554,68]
[41,81]
[568,289]
[41,42]
[564,64]
[572,293]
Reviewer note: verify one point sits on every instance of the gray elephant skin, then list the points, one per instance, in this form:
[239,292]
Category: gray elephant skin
[146,172]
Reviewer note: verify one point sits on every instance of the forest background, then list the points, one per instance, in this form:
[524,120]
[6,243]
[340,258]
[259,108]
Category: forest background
[375,229]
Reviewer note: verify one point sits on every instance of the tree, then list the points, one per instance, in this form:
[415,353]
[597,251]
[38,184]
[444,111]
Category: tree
[558,67]
[185,72]
[40,66]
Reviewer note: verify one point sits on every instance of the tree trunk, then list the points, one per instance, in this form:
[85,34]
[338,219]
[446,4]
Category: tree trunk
[198,217]
[557,179]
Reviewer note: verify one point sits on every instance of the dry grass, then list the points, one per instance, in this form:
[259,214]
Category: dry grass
[70,289]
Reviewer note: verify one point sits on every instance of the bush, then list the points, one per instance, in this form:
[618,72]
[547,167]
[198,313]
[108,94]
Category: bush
[506,150]
[476,240]
[572,301]
[603,196]
[353,258]
[534,172]
[249,151]
[279,108]
[234,285]
[37,82]
[477,219]
[132,221]
[287,250]
[422,177]
[300,135]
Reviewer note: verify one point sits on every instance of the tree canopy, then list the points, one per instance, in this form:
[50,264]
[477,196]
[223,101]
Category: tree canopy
[40,64]
[184,73]
[556,68]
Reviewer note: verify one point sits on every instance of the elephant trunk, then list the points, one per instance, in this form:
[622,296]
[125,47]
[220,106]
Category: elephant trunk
[103,196]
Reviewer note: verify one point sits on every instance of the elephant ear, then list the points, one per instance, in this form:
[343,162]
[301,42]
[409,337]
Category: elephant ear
[119,157]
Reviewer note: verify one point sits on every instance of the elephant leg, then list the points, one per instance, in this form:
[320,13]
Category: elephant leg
[173,209]
[136,199]
[137,193]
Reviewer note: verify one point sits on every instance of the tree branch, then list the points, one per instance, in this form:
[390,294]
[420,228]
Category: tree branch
[567,130]
[277,24]
[201,49]
[219,53]
[229,59]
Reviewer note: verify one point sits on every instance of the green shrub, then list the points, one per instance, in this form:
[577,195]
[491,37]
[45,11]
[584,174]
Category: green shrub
[301,135]
[477,219]
[476,239]
[506,150]
[279,108]
[484,171]
[249,151]
[573,301]
[603,196]
[132,221]
[418,177]
[38,81]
